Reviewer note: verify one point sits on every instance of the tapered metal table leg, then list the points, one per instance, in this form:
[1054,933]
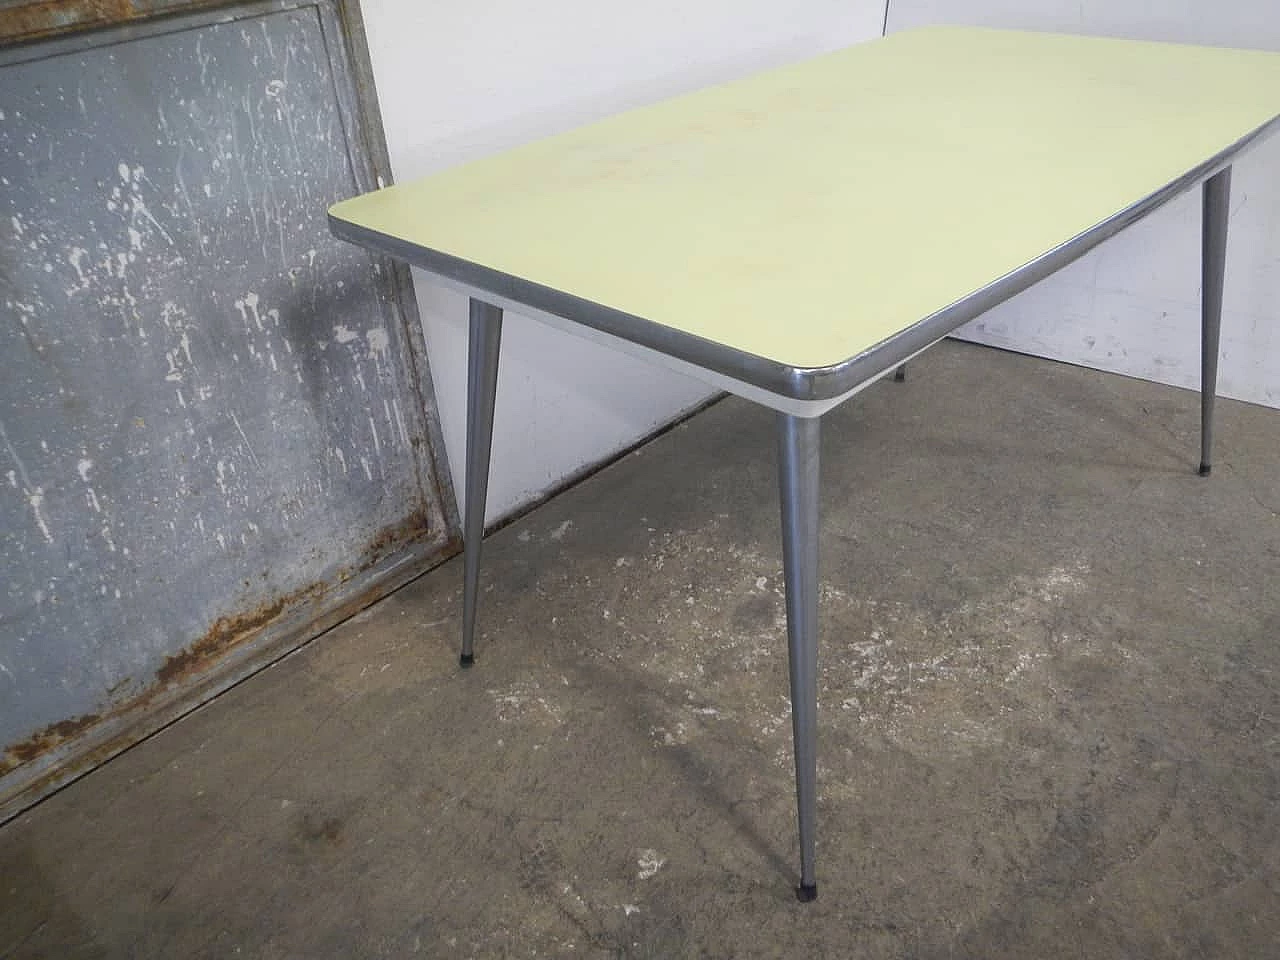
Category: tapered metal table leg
[482,390]
[798,484]
[1213,261]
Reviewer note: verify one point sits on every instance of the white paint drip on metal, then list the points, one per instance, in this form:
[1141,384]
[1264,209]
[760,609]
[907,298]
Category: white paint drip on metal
[33,493]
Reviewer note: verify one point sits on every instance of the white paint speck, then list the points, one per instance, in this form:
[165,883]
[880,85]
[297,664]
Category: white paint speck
[249,304]
[34,494]
[561,529]
[83,468]
[344,334]
[378,341]
[74,257]
[404,434]
[123,170]
[649,862]
[247,445]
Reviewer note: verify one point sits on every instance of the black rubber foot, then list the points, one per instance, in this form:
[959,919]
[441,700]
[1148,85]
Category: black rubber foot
[467,659]
[807,892]
[899,376]
[1206,469]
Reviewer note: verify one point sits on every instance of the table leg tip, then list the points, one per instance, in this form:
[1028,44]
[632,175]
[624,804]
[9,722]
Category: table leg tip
[899,376]
[807,892]
[1206,469]
[467,660]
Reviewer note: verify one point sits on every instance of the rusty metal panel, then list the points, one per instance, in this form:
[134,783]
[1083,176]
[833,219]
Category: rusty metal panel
[213,434]
[32,19]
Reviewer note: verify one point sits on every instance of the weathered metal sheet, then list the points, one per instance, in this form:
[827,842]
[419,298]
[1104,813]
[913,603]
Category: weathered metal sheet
[212,429]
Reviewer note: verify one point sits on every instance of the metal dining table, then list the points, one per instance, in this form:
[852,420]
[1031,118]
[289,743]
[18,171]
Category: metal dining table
[796,235]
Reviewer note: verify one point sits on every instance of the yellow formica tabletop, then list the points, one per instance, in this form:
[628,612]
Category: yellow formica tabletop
[781,228]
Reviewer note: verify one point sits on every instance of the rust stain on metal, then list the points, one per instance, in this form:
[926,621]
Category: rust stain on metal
[199,660]
[47,18]
[229,632]
[225,634]
[392,537]
[43,741]
[76,766]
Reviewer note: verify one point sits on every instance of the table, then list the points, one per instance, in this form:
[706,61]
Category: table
[796,235]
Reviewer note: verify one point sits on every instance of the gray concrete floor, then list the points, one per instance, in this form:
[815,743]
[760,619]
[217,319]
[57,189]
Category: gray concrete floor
[1050,715]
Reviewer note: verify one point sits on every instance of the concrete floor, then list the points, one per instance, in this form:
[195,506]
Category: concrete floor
[1050,715]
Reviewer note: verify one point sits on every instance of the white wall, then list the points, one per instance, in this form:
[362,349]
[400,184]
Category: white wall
[1132,306]
[462,79]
